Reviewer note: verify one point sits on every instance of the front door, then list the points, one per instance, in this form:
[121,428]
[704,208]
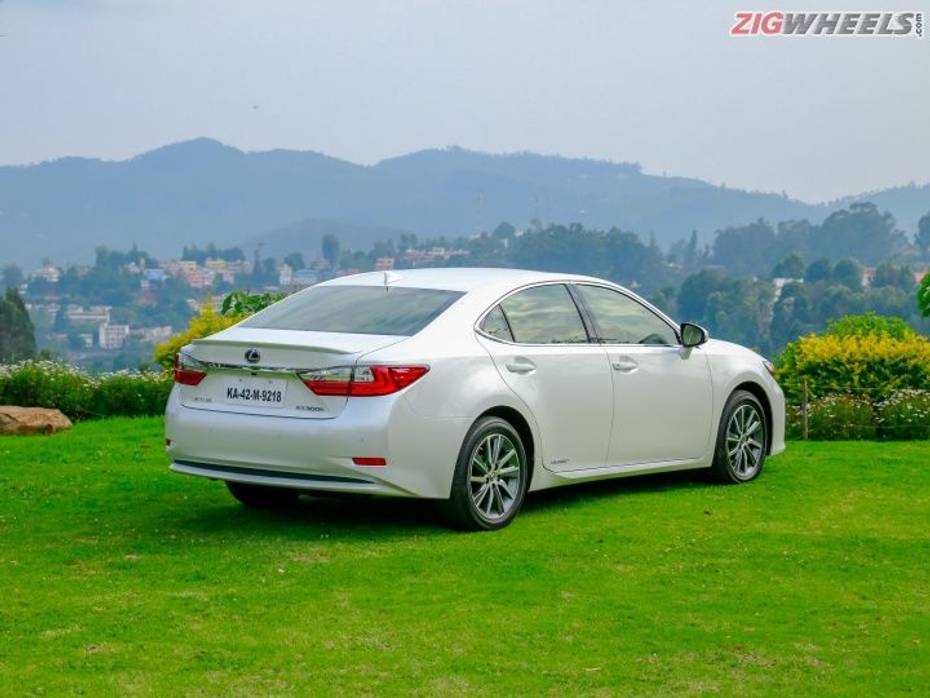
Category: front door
[662,392]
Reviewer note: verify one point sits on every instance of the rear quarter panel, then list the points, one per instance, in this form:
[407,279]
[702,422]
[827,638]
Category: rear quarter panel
[462,384]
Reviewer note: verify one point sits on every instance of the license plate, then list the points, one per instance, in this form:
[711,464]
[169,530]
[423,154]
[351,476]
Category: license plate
[261,392]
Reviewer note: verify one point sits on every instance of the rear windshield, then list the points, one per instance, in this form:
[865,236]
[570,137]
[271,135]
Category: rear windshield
[356,309]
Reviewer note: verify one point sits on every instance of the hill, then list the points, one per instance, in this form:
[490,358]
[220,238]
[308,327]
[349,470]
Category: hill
[201,191]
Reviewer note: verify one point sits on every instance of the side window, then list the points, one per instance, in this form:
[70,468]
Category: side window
[495,324]
[621,320]
[544,315]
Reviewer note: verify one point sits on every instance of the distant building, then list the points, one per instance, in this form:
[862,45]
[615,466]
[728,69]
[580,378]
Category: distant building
[112,337]
[198,277]
[154,274]
[50,309]
[779,283]
[285,275]
[153,335]
[868,277]
[215,304]
[239,267]
[384,264]
[96,314]
[49,273]
[416,257]
[305,277]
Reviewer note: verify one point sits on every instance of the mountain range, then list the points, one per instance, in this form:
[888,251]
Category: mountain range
[202,191]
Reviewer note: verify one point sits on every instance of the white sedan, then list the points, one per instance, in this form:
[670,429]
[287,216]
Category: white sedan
[469,386]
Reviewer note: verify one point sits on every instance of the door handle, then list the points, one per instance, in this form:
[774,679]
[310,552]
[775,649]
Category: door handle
[520,365]
[624,364]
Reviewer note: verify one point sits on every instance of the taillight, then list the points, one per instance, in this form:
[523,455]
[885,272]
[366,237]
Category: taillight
[188,370]
[361,381]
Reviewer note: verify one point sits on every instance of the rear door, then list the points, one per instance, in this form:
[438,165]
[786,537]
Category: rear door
[541,348]
[662,392]
[255,371]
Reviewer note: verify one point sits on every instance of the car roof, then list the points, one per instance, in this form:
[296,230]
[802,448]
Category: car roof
[463,279]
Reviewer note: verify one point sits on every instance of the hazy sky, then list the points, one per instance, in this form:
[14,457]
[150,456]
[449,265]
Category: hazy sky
[660,83]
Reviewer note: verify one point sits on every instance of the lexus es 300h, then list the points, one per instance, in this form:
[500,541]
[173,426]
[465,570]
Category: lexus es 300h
[467,386]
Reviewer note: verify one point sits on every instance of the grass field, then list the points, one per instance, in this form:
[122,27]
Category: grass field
[118,577]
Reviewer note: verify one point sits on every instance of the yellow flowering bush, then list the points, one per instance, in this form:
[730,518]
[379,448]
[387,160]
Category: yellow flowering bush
[872,366]
[207,322]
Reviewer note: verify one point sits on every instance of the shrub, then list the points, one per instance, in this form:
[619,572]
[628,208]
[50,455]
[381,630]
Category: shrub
[237,306]
[873,366]
[80,395]
[905,415]
[841,417]
[207,322]
[923,296]
[244,303]
[871,325]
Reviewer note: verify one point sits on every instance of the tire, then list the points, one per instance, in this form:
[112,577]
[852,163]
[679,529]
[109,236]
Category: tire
[742,440]
[262,496]
[476,505]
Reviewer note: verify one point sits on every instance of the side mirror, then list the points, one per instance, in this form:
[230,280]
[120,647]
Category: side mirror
[693,335]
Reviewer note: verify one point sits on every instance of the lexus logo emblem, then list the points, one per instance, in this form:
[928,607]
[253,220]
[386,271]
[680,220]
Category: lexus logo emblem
[253,356]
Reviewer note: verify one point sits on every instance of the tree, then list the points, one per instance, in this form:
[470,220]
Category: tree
[746,249]
[692,255]
[331,249]
[923,296]
[694,292]
[819,270]
[887,274]
[791,315]
[504,231]
[922,238]
[664,300]
[849,273]
[860,231]
[11,276]
[791,267]
[17,335]
[295,260]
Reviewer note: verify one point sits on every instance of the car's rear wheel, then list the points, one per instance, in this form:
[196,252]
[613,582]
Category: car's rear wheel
[491,477]
[262,496]
[742,439]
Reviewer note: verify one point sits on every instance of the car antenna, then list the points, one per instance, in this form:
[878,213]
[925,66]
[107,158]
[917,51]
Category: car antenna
[389,278]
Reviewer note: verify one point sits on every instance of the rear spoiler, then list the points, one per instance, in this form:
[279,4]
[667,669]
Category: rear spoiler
[209,341]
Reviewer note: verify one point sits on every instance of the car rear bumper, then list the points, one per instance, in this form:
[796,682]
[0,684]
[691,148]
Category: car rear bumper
[316,454]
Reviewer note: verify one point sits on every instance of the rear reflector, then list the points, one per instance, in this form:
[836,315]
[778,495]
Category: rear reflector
[369,461]
[362,381]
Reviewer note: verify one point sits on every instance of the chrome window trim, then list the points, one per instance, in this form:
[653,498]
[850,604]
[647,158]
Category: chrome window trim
[575,282]
[525,287]
[645,304]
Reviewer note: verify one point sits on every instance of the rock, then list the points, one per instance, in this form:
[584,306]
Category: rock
[31,420]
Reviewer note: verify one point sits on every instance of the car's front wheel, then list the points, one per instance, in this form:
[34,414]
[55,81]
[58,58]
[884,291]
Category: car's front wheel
[491,477]
[742,439]
[262,496]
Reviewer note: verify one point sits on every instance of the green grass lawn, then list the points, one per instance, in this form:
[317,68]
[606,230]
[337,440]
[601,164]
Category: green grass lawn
[119,577]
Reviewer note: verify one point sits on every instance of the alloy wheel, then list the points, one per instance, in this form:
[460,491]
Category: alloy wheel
[494,474]
[745,441]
